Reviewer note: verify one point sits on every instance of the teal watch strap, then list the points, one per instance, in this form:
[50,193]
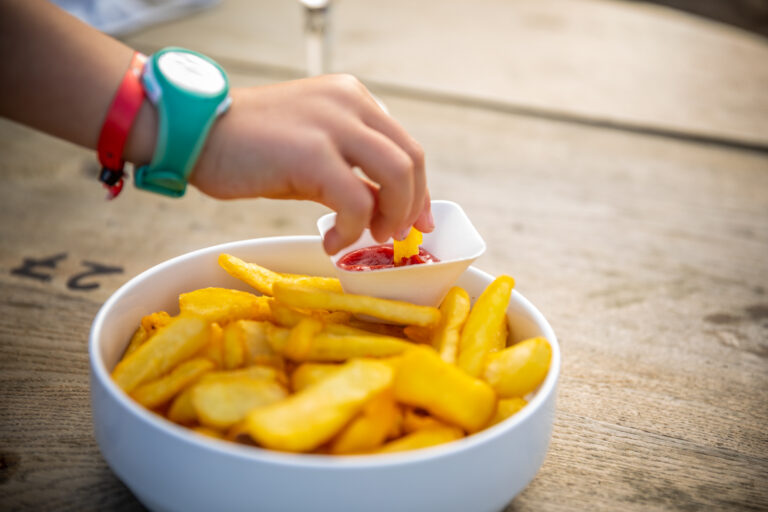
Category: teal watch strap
[189,91]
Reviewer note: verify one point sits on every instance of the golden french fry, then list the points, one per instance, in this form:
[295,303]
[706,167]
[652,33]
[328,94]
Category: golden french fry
[300,296]
[301,339]
[181,339]
[223,305]
[214,349]
[148,326]
[157,392]
[414,420]
[329,347]
[396,331]
[480,334]
[251,372]
[140,335]
[426,381]
[262,278]
[507,407]
[154,321]
[208,432]
[256,345]
[370,429]
[422,439]
[221,403]
[407,247]
[234,347]
[309,418]
[182,410]
[417,334]
[519,369]
[309,373]
[454,312]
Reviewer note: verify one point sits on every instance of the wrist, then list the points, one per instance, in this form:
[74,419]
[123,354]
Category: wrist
[140,145]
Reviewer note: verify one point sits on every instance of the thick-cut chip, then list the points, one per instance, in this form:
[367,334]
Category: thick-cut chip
[220,403]
[301,339]
[148,326]
[234,347]
[181,339]
[262,278]
[329,347]
[182,410]
[289,317]
[404,313]
[454,311]
[309,418]
[208,432]
[370,429]
[519,369]
[223,305]
[417,334]
[309,373]
[422,439]
[214,349]
[480,335]
[507,407]
[415,419]
[426,381]
[404,249]
[160,391]
[396,331]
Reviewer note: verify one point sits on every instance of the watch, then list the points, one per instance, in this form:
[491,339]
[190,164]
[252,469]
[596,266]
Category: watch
[189,91]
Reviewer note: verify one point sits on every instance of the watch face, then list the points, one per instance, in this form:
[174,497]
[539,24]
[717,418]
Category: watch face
[190,72]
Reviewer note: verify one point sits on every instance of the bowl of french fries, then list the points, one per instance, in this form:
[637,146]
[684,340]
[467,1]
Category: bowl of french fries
[242,377]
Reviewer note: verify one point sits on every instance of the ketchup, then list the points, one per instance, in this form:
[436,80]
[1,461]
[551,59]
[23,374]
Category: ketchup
[380,256]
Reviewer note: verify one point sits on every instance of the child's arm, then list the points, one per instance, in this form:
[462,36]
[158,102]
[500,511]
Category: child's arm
[296,140]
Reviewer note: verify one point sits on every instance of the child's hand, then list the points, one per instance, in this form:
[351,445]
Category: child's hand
[301,140]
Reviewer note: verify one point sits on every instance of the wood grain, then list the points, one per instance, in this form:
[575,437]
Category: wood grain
[648,256]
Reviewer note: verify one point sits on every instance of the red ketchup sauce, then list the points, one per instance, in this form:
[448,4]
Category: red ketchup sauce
[380,256]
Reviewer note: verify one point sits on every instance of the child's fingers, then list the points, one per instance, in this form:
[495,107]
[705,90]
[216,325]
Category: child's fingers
[425,222]
[392,169]
[351,199]
[382,122]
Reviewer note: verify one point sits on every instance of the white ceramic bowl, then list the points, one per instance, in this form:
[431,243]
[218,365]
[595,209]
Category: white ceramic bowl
[170,468]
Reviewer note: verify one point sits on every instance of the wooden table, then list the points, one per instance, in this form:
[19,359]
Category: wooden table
[642,236]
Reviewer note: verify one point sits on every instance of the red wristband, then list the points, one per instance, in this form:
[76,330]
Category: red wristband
[117,125]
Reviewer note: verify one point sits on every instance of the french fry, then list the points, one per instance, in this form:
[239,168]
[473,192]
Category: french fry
[480,335]
[148,326]
[414,420]
[404,249]
[234,347]
[208,432]
[156,393]
[311,417]
[396,331]
[426,381]
[214,349]
[301,339]
[223,402]
[257,347]
[370,429]
[223,305]
[507,407]
[154,321]
[262,279]
[182,410]
[404,313]
[289,317]
[309,373]
[182,338]
[422,439]
[140,335]
[421,335]
[519,369]
[329,347]
[454,311]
